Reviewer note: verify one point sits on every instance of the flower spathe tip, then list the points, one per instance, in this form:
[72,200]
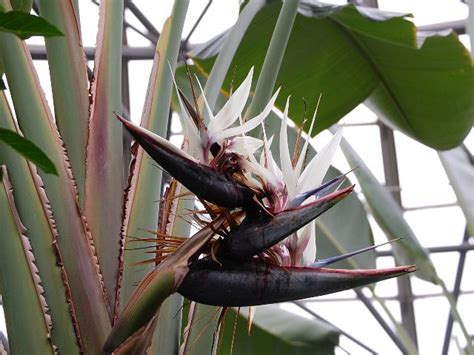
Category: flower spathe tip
[200,179]
[258,233]
[256,283]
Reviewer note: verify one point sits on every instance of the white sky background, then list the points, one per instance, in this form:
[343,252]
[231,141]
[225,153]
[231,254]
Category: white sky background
[422,184]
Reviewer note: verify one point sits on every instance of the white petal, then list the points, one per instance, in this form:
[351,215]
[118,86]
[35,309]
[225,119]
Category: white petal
[314,173]
[250,124]
[265,174]
[233,107]
[267,143]
[299,164]
[245,146]
[285,159]
[267,160]
[193,138]
[208,108]
[308,238]
[192,132]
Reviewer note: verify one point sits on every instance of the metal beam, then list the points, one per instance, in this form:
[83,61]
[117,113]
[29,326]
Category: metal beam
[463,247]
[128,53]
[347,335]
[365,300]
[389,156]
[143,19]
[456,292]
[458,26]
[196,24]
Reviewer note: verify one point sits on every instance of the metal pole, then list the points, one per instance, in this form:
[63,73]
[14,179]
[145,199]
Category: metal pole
[381,321]
[347,335]
[389,156]
[456,291]
[143,19]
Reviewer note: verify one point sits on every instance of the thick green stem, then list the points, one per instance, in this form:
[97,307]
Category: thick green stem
[273,58]
[224,59]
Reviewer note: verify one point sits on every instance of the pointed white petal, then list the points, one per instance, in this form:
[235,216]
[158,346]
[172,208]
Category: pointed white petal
[208,108]
[273,166]
[249,125]
[308,241]
[265,174]
[267,160]
[191,131]
[245,146]
[285,159]
[267,143]
[192,135]
[299,164]
[314,173]
[233,107]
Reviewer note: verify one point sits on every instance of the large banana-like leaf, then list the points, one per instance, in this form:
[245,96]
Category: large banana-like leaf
[74,239]
[353,54]
[26,312]
[22,5]
[104,165]
[459,167]
[389,216]
[67,64]
[35,213]
[271,333]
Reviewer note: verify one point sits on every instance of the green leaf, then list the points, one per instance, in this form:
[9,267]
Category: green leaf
[35,213]
[229,48]
[141,212]
[25,25]
[145,181]
[157,286]
[154,289]
[273,58]
[351,55]
[28,323]
[271,333]
[168,330]
[70,86]
[458,165]
[22,5]
[104,203]
[28,149]
[74,239]
[201,326]
[389,216]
